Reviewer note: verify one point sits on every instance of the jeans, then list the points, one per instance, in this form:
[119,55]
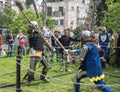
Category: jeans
[10,49]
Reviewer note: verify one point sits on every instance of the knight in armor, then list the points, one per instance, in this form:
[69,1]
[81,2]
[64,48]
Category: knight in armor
[104,42]
[90,65]
[36,54]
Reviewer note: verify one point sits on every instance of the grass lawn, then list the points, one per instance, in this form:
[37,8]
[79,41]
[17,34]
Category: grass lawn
[57,84]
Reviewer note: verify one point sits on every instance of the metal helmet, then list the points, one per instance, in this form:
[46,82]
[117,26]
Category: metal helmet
[34,23]
[86,35]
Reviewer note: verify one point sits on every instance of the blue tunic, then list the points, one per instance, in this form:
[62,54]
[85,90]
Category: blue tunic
[104,41]
[92,62]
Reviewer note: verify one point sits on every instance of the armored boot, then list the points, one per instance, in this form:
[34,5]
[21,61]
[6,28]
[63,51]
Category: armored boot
[61,66]
[43,75]
[66,67]
[30,78]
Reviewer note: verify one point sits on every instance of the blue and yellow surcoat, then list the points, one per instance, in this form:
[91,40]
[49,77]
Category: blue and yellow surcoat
[92,64]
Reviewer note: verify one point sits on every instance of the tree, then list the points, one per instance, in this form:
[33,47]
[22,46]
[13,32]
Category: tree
[6,16]
[20,22]
[100,8]
[112,19]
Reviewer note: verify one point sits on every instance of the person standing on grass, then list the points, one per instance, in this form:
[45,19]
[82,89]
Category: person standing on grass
[10,41]
[36,54]
[117,48]
[18,37]
[90,65]
[55,46]
[1,44]
[22,43]
[104,42]
[65,41]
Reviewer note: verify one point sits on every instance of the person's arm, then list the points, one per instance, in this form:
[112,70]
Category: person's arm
[83,53]
[74,39]
[115,40]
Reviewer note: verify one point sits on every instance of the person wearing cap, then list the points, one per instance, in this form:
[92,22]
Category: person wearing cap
[90,65]
[10,41]
[117,48]
[36,54]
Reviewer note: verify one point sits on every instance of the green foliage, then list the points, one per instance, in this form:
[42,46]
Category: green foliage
[6,16]
[112,19]
[50,23]
[102,6]
[57,84]
[20,22]
[78,30]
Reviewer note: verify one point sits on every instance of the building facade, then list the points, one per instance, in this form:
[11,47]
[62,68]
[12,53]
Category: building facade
[67,13]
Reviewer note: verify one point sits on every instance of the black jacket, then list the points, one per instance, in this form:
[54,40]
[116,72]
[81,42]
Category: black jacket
[10,39]
[54,42]
[65,40]
[36,41]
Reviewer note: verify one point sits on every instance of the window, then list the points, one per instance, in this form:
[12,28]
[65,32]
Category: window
[49,11]
[80,22]
[61,21]
[56,22]
[81,9]
[83,1]
[61,10]
[72,8]
[54,0]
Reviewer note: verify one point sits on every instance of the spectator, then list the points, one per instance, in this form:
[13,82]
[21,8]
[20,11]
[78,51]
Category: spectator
[10,41]
[1,44]
[65,41]
[21,48]
[104,42]
[117,48]
[55,46]
[18,37]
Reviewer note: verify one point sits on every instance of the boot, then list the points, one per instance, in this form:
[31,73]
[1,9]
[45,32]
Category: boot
[61,66]
[66,67]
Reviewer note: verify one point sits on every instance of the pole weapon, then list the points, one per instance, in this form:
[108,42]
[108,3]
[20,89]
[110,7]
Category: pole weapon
[19,5]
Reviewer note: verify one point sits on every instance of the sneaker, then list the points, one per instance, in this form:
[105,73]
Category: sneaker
[27,83]
[44,79]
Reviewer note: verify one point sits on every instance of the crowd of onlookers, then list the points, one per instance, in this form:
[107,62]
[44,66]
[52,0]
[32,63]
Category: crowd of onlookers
[105,41]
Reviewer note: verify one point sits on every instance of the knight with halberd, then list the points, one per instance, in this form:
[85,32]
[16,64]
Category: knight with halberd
[36,54]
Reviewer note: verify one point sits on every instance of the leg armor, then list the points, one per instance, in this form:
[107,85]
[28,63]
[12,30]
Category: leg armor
[44,71]
[102,86]
[32,67]
[76,79]
[46,62]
